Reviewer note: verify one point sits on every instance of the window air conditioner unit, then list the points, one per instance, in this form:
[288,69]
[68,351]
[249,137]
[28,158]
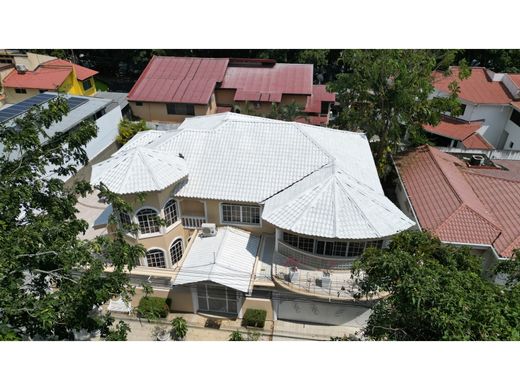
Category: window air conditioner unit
[209,229]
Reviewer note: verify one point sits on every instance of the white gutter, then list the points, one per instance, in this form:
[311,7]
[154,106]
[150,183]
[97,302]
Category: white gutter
[478,246]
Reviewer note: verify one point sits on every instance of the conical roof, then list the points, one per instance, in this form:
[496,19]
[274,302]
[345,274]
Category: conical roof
[139,169]
[351,210]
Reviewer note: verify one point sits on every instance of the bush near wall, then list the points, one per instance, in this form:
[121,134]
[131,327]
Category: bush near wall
[254,317]
[153,307]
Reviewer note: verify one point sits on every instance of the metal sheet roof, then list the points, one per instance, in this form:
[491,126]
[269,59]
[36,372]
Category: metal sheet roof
[252,83]
[139,170]
[227,259]
[179,80]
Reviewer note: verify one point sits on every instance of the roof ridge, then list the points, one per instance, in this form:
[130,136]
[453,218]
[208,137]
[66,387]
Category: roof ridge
[436,162]
[138,149]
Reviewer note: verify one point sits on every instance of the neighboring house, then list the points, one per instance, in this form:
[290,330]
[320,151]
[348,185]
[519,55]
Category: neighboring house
[293,206]
[106,114]
[9,59]
[53,75]
[120,98]
[466,200]
[171,89]
[458,133]
[489,97]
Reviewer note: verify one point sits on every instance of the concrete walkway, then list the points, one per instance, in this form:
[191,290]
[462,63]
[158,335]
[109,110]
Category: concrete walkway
[142,330]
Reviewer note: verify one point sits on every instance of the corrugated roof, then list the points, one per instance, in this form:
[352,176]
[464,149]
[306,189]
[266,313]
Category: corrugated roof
[462,204]
[139,169]
[227,259]
[478,88]
[319,95]
[268,83]
[49,75]
[179,80]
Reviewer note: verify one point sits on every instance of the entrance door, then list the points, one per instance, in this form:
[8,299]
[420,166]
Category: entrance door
[217,299]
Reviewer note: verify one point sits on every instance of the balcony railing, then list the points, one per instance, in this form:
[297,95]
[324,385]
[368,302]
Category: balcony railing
[313,260]
[192,222]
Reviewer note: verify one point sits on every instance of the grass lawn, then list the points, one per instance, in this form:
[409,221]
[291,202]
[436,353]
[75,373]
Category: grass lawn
[101,86]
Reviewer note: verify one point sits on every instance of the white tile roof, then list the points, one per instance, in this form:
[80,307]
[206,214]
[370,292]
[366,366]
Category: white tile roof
[139,169]
[227,259]
[338,206]
[310,178]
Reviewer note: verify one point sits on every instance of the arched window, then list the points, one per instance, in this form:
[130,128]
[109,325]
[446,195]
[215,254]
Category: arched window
[176,250]
[170,212]
[155,258]
[148,221]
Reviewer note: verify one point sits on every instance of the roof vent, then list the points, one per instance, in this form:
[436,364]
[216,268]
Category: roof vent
[21,69]
[476,160]
[209,230]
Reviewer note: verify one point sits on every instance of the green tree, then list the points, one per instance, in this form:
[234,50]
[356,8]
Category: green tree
[435,292]
[179,328]
[50,279]
[387,94]
[127,129]
[285,112]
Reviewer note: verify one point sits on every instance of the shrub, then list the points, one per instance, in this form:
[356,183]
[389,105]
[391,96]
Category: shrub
[236,336]
[127,129]
[254,317]
[179,328]
[153,307]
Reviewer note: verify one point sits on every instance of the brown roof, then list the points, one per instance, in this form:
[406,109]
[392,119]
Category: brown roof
[454,128]
[515,77]
[319,95]
[462,204]
[478,88]
[476,141]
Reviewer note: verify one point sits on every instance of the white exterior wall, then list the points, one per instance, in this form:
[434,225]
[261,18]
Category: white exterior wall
[107,132]
[495,116]
[514,136]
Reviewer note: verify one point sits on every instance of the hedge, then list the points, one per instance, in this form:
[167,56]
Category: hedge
[254,317]
[153,307]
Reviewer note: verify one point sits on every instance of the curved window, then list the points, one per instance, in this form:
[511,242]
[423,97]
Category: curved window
[148,221]
[170,212]
[176,250]
[330,248]
[155,258]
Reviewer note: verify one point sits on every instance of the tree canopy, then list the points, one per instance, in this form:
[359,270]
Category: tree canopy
[387,94]
[436,292]
[51,281]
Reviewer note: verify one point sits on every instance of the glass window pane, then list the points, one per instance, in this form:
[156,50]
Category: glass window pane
[170,212]
[320,247]
[340,249]
[155,258]
[176,251]
[148,221]
[306,244]
[356,248]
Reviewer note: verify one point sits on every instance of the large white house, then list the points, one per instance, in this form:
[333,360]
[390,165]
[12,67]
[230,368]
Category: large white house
[289,206]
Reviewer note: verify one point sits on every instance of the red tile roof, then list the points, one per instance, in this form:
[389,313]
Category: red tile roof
[319,94]
[476,141]
[269,83]
[454,128]
[478,88]
[179,80]
[462,204]
[515,77]
[49,75]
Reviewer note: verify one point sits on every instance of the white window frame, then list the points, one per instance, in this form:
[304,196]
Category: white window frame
[165,257]
[167,229]
[172,264]
[256,225]
[146,235]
